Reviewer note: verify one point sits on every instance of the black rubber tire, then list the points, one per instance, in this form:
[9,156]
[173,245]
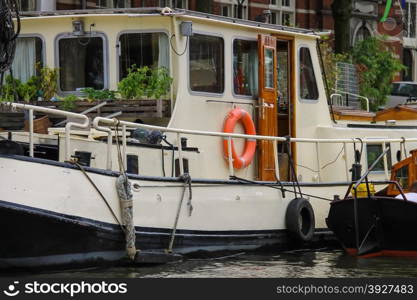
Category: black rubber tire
[300,220]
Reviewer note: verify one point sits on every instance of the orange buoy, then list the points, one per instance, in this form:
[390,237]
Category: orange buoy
[234,116]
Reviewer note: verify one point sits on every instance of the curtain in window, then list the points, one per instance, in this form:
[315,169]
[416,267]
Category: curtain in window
[24,64]
[163,56]
[252,75]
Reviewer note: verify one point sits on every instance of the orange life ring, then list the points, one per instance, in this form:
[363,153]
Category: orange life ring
[234,116]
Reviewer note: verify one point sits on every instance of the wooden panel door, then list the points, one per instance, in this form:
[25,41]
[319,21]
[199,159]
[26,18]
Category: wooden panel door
[267,117]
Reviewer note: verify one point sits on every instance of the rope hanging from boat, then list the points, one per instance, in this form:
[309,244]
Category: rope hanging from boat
[8,33]
[187,183]
[124,192]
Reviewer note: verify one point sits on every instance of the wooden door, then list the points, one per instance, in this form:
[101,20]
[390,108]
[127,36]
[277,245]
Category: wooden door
[267,111]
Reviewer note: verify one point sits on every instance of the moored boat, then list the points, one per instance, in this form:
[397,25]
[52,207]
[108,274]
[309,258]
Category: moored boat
[191,188]
[383,224]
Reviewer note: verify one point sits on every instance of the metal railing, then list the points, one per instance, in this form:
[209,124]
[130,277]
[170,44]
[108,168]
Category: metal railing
[32,108]
[341,102]
[99,121]
[229,136]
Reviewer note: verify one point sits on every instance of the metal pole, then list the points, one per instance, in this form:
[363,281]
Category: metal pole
[124,142]
[180,153]
[31,146]
[230,157]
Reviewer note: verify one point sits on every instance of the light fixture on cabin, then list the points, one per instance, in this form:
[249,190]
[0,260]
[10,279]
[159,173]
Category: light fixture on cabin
[78,28]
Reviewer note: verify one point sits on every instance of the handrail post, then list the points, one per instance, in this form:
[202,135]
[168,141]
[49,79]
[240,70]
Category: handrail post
[181,162]
[124,142]
[318,161]
[346,161]
[31,146]
[385,161]
[230,157]
[275,144]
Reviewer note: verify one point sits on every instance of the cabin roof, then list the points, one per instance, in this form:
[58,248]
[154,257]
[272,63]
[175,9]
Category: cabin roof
[158,11]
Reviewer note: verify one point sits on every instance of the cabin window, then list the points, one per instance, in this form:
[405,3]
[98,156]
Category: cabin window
[143,49]
[132,164]
[29,53]
[82,4]
[81,63]
[308,84]
[27,5]
[206,64]
[269,68]
[373,151]
[245,67]
[401,176]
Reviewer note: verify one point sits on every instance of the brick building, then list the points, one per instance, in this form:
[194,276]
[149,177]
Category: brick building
[400,27]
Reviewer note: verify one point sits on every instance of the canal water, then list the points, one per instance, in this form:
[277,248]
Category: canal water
[291,264]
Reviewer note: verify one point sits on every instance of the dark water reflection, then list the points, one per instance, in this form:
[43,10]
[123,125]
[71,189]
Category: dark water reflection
[298,264]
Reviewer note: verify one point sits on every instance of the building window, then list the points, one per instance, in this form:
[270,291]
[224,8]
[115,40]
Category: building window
[286,3]
[143,49]
[206,64]
[245,67]
[274,18]
[81,63]
[286,19]
[273,2]
[410,19]
[407,75]
[225,10]
[28,5]
[29,54]
[308,84]
[373,151]
[236,11]
[182,4]
[132,164]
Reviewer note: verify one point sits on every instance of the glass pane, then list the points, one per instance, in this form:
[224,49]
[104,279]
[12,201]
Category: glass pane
[206,64]
[69,4]
[143,49]
[308,84]
[28,54]
[283,74]
[81,63]
[269,68]
[245,67]
[27,5]
[402,177]
[373,152]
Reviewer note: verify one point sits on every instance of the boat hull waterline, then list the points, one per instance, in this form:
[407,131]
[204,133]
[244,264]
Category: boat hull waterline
[57,218]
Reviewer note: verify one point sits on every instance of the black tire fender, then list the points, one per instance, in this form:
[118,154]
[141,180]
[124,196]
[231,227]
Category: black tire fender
[300,220]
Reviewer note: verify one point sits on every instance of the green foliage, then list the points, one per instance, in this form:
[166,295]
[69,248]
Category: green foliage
[93,94]
[377,67]
[24,91]
[28,91]
[144,81]
[330,60]
[68,103]
[48,81]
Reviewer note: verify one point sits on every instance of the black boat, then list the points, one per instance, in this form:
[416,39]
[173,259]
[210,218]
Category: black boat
[380,224]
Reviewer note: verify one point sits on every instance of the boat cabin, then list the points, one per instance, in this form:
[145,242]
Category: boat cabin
[270,72]
[405,173]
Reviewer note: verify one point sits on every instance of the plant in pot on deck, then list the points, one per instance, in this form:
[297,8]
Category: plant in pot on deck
[145,82]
